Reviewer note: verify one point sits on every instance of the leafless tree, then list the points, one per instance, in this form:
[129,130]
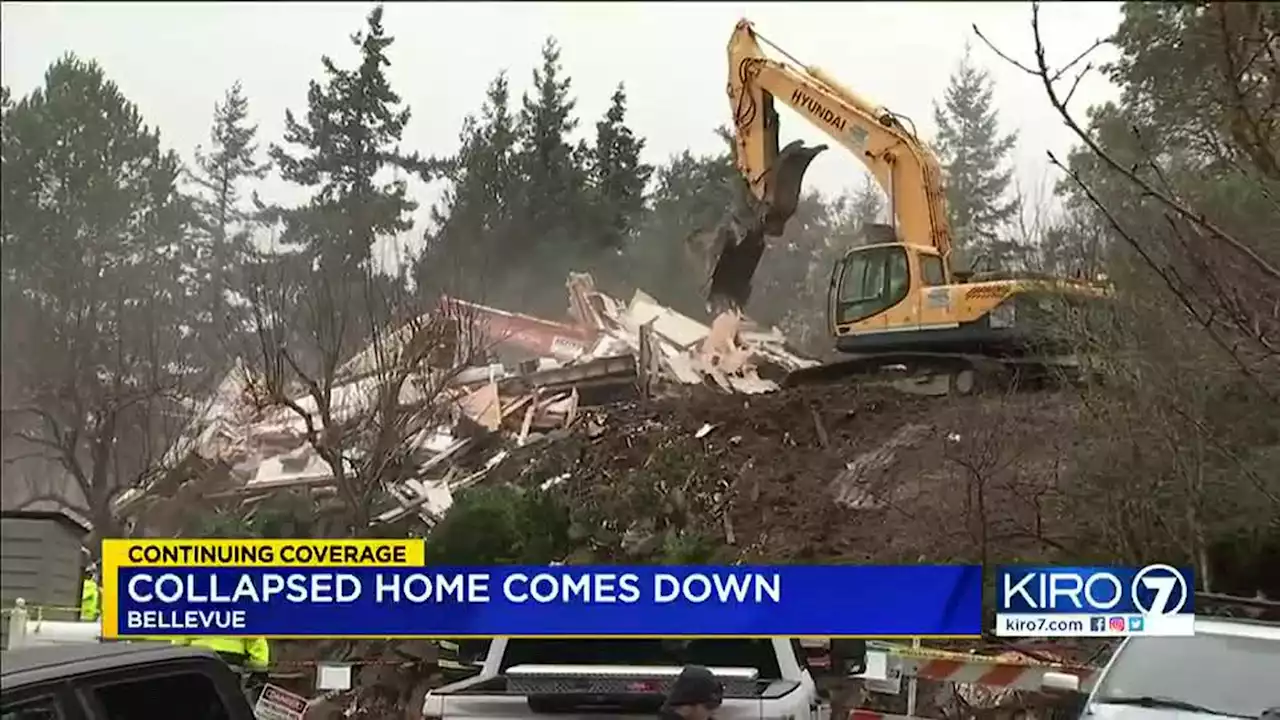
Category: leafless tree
[101,392]
[1183,419]
[361,365]
[1228,284]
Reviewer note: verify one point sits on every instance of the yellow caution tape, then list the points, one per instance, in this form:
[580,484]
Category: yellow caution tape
[36,610]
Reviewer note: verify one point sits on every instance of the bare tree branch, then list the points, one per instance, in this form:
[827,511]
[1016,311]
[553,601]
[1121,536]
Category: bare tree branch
[1042,71]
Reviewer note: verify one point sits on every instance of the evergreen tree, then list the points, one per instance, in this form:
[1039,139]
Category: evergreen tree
[92,235]
[351,132]
[472,241]
[974,156]
[853,213]
[552,169]
[618,176]
[224,243]
[494,163]
[316,340]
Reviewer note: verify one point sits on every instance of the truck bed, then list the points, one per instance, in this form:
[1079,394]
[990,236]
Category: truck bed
[587,691]
[601,677]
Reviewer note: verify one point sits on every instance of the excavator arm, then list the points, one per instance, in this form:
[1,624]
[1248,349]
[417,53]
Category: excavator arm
[904,167]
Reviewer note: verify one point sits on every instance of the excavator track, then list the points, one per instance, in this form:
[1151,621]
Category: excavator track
[940,374]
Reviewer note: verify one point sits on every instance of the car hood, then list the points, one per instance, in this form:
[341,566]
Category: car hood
[1104,711]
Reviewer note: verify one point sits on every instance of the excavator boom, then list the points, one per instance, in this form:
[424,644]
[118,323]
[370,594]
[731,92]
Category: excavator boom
[903,167]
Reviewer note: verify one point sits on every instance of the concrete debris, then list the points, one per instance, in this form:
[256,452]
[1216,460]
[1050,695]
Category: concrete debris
[534,380]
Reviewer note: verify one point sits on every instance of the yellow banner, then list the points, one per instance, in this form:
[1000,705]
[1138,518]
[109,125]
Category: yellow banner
[118,553]
[262,553]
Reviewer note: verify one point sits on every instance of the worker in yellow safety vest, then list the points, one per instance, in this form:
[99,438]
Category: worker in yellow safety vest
[90,599]
[90,592]
[91,605]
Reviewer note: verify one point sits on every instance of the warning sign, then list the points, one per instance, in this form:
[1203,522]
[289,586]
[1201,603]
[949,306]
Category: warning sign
[276,703]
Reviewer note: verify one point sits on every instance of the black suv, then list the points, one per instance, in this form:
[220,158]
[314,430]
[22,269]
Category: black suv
[119,681]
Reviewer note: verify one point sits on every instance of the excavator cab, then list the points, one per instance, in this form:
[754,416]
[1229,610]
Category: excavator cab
[878,290]
[877,275]
[868,281]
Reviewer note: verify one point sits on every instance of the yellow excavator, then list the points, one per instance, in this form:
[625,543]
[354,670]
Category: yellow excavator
[900,301]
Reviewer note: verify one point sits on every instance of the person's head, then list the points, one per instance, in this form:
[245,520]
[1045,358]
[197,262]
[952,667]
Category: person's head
[696,693]
[90,564]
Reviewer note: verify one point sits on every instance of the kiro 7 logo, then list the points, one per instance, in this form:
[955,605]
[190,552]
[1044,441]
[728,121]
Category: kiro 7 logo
[1159,590]
[1155,590]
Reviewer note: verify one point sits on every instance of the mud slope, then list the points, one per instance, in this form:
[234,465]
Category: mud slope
[825,473]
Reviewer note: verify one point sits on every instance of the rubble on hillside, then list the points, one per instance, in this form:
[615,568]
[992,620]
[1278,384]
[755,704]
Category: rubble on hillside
[836,473]
[606,352]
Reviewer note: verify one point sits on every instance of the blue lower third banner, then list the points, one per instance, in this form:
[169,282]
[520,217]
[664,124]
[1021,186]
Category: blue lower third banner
[845,600]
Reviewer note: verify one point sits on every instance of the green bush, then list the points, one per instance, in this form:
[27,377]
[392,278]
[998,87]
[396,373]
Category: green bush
[500,525]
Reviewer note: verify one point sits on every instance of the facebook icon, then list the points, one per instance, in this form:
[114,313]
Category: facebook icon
[1097,624]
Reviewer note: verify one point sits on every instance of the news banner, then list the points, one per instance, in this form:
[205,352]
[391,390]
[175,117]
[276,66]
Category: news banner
[298,589]
[1094,601]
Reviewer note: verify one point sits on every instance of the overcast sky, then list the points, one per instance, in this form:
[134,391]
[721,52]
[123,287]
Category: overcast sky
[176,59]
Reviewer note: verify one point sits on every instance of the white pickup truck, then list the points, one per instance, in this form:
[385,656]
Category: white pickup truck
[1230,669]
[592,678]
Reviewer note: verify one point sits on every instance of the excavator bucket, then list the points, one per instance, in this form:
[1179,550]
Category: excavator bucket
[784,187]
[731,252]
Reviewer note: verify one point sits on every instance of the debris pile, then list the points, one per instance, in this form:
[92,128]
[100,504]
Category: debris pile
[833,473]
[670,346]
[537,378]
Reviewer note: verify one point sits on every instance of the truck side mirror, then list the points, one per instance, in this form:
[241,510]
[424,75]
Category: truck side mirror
[848,657]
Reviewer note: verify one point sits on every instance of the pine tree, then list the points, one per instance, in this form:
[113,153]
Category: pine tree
[975,156]
[224,244]
[549,163]
[472,242]
[351,132]
[92,235]
[499,176]
[853,213]
[618,176]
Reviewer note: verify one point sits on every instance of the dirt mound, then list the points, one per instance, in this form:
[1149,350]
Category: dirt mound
[829,473]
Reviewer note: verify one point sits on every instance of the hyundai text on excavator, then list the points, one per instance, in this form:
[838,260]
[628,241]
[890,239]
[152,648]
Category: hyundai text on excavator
[899,301]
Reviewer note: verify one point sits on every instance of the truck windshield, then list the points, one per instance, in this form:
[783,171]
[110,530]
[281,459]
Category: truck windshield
[1225,675]
[758,654]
